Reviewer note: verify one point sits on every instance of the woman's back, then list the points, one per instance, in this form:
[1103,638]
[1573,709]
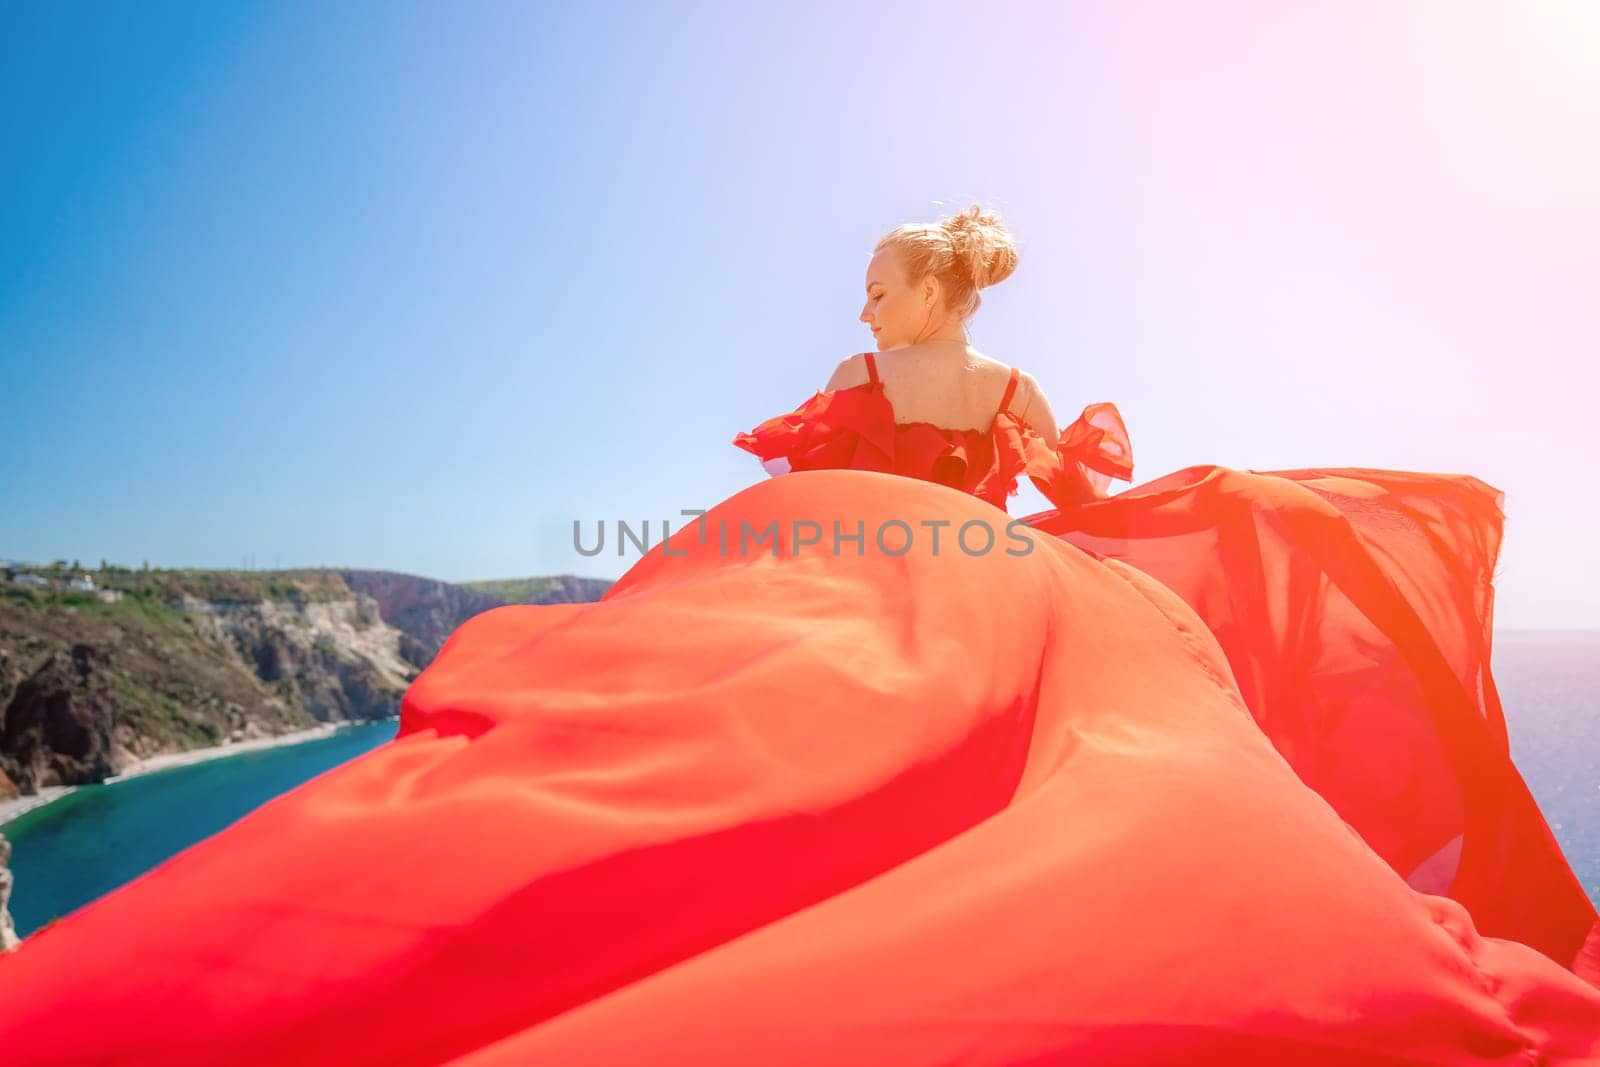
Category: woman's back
[954,387]
[923,412]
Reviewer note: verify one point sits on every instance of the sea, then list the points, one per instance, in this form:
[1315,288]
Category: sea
[92,840]
[1549,684]
[75,849]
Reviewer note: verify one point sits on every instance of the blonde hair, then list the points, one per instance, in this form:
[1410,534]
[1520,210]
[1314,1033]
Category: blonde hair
[966,252]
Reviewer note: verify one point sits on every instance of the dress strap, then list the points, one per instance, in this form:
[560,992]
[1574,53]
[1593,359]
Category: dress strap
[872,367]
[1011,389]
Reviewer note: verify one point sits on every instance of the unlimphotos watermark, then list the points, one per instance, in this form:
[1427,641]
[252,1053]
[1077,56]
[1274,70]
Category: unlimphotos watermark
[891,537]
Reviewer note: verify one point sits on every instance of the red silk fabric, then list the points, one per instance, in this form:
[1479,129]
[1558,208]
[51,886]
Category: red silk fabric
[839,802]
[1354,608]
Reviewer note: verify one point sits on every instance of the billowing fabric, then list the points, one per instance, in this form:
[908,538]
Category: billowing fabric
[889,800]
[1355,610]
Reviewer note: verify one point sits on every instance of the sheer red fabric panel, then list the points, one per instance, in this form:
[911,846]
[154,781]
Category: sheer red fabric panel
[1355,608]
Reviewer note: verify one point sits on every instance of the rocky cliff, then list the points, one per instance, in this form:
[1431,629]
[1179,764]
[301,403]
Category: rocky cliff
[59,723]
[424,610]
[427,611]
[145,662]
[173,663]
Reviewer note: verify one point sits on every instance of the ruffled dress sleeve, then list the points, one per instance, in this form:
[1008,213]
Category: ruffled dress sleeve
[847,428]
[1079,468]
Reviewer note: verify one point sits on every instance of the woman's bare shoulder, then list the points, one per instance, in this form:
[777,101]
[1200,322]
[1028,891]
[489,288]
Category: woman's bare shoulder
[1033,407]
[851,371]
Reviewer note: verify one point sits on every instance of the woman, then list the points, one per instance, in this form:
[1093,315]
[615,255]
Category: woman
[928,404]
[822,803]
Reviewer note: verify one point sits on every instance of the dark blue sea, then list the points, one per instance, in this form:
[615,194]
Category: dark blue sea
[1550,688]
[91,841]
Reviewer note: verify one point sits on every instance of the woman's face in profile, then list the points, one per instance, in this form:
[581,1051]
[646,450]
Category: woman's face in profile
[893,308]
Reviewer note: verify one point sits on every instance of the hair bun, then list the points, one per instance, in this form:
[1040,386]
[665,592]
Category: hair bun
[983,245]
[965,252]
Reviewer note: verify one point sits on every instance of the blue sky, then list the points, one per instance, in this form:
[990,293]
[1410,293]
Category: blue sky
[413,286]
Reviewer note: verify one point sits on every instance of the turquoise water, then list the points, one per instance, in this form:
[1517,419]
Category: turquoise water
[92,840]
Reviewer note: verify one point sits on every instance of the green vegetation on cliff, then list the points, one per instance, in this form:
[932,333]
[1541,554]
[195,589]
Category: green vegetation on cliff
[100,668]
[558,589]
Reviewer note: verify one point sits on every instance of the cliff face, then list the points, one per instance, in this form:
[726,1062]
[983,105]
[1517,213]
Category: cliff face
[337,660]
[428,611]
[91,686]
[424,610]
[59,723]
[162,661]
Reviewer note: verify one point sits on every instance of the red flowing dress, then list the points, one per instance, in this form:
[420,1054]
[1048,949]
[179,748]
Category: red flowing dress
[1208,771]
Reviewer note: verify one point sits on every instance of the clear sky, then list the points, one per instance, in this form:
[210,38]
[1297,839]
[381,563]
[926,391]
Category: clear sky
[414,286]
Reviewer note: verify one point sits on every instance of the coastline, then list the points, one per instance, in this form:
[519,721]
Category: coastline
[14,807]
